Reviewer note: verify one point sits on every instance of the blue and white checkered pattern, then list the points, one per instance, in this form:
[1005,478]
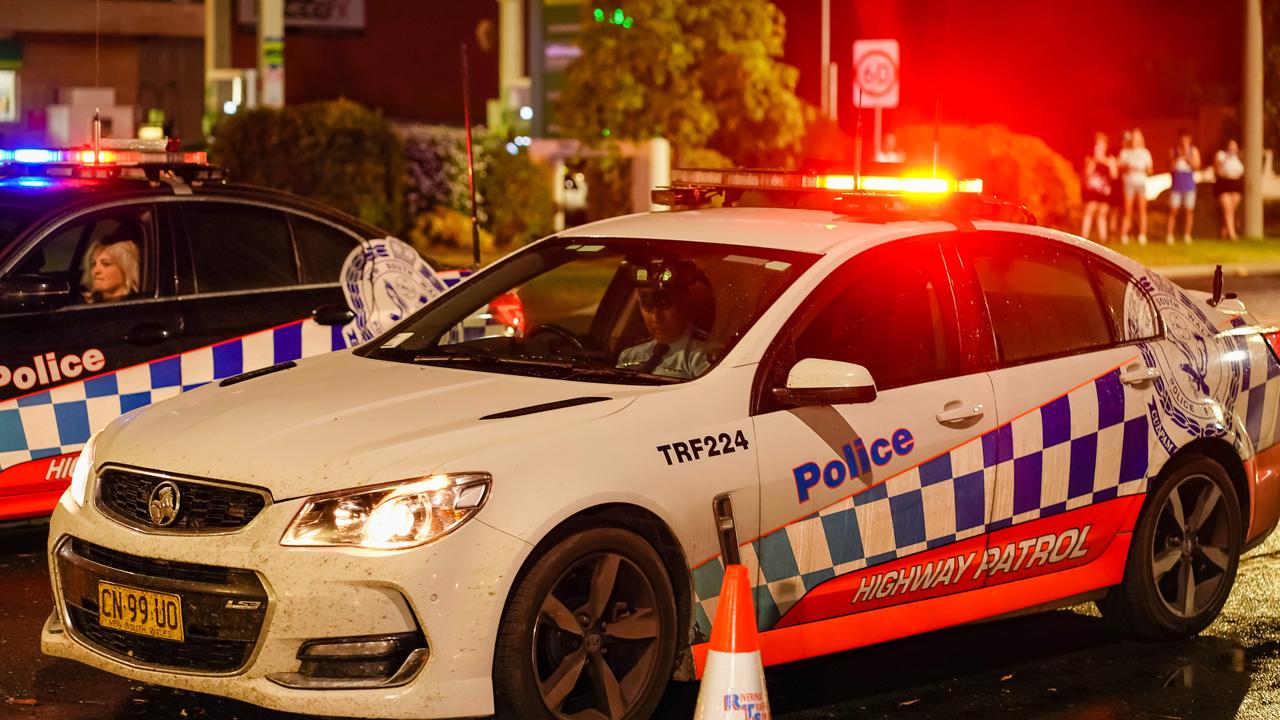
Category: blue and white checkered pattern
[1258,405]
[60,420]
[1090,445]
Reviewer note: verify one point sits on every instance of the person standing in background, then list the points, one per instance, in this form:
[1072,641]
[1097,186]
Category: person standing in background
[1228,184]
[1135,166]
[1099,171]
[1183,164]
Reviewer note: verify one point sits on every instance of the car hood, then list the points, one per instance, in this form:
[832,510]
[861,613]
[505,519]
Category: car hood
[341,421]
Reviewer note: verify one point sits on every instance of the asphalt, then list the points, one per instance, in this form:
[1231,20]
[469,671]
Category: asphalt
[1061,665]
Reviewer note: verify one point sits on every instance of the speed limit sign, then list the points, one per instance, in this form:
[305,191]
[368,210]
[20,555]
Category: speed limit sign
[875,73]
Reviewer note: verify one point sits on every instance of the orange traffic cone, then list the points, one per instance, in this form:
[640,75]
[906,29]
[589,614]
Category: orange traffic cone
[733,678]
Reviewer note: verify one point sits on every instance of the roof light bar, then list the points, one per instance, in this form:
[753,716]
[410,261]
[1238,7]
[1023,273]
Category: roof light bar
[780,180]
[41,156]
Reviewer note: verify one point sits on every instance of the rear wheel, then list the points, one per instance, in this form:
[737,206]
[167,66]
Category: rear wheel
[1183,558]
[590,632]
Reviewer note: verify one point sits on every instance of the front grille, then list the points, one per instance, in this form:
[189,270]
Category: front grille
[203,507]
[223,609]
[189,572]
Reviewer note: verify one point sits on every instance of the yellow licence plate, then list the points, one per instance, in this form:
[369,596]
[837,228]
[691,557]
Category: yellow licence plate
[154,614]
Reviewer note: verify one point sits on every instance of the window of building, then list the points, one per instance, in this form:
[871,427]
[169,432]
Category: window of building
[8,95]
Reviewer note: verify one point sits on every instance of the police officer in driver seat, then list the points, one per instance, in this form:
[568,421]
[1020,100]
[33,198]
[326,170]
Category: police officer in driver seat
[677,346]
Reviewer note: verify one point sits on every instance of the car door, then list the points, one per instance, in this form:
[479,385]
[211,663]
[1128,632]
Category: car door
[882,502]
[1072,391]
[72,366]
[251,276]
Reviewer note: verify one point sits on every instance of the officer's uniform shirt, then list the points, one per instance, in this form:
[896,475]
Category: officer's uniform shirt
[685,358]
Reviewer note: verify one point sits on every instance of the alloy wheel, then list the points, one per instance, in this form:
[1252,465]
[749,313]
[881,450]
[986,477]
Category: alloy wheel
[1191,546]
[595,642]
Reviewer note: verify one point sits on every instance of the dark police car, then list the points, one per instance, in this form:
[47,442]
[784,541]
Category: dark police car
[128,276]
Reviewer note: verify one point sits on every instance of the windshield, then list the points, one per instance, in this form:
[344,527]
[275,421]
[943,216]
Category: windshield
[606,310]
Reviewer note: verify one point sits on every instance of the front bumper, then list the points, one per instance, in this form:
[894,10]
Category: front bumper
[452,591]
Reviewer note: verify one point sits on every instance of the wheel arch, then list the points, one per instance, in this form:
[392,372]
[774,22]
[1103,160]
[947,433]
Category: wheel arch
[658,534]
[1221,452]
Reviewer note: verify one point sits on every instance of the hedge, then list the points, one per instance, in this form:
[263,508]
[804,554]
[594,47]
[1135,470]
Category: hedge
[337,152]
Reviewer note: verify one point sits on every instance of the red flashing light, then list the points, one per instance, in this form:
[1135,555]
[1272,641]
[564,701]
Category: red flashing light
[776,180]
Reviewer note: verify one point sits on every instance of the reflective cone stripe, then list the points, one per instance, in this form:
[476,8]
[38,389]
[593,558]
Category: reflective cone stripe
[733,681]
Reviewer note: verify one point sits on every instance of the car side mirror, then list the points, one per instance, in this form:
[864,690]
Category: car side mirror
[333,315]
[33,292]
[816,381]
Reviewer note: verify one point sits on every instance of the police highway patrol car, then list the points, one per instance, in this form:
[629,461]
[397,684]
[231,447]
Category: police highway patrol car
[128,275]
[899,403]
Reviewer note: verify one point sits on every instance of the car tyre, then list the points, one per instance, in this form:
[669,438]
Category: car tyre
[591,626]
[1183,557]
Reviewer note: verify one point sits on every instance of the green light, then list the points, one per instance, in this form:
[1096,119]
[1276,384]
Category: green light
[627,23]
[605,132]
[618,16]
[599,15]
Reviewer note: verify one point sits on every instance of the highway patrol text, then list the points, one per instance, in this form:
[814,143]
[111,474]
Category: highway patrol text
[1012,557]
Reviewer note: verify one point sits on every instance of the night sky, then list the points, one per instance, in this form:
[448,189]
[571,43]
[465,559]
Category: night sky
[1058,69]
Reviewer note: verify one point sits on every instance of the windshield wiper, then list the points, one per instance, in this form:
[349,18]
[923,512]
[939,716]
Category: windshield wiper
[476,359]
[604,371]
[577,369]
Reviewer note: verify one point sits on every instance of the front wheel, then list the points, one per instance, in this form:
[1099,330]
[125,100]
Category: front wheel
[589,632]
[1183,560]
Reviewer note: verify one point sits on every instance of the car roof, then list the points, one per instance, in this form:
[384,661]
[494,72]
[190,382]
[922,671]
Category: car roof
[814,231]
[49,194]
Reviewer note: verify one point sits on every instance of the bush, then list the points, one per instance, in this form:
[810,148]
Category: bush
[513,193]
[516,200]
[337,152]
[442,228]
[608,186]
[1016,167]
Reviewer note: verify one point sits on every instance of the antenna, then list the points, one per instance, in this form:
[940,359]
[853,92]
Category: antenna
[471,165]
[857,145]
[97,81]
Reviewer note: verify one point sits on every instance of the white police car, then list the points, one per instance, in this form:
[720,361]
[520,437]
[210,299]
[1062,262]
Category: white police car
[901,415]
[203,279]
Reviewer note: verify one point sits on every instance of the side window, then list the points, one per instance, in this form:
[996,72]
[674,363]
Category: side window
[239,247]
[892,312]
[104,257]
[1040,297]
[1131,313]
[321,249]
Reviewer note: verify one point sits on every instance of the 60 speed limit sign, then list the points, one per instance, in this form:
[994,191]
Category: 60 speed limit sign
[875,73]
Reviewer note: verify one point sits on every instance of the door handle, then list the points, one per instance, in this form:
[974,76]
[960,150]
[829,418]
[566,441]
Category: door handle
[148,334]
[1138,376]
[955,413]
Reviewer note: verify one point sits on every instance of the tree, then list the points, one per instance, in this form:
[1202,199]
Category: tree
[337,152]
[701,73]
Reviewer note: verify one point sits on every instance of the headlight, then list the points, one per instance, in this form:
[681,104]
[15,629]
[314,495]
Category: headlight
[80,471]
[389,517]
